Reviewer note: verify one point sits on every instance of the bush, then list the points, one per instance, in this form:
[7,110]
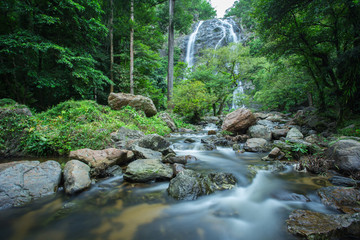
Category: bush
[191,100]
[73,125]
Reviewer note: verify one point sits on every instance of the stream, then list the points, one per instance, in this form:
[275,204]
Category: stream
[113,209]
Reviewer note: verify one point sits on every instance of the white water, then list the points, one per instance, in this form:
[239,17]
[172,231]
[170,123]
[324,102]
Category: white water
[238,92]
[191,46]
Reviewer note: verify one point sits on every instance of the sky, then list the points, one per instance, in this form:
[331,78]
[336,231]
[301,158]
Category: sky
[221,6]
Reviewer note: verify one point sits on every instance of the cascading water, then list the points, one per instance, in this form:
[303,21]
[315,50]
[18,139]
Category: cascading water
[214,34]
[238,92]
[190,50]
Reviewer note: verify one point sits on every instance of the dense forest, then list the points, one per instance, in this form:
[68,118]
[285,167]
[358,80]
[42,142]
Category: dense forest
[299,53]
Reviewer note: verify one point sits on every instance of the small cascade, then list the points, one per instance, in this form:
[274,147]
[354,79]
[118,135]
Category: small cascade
[191,46]
[238,92]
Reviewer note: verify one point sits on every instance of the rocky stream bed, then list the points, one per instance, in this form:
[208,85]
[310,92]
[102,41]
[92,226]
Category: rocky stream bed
[190,185]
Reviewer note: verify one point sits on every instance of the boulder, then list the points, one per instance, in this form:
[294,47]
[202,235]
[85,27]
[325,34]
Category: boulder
[145,153]
[102,159]
[189,140]
[341,198]
[344,181]
[119,100]
[294,133]
[145,170]
[279,133]
[154,142]
[189,185]
[238,121]
[267,123]
[172,158]
[260,131]
[346,154]
[256,145]
[169,121]
[211,132]
[24,181]
[125,137]
[76,176]
[314,225]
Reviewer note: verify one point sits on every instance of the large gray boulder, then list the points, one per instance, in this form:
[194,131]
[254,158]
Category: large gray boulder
[314,225]
[125,137]
[144,153]
[346,154]
[154,142]
[169,121]
[189,185]
[238,121]
[76,176]
[145,170]
[256,145]
[260,131]
[102,159]
[119,100]
[24,181]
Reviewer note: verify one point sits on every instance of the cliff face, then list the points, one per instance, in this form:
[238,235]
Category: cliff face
[213,33]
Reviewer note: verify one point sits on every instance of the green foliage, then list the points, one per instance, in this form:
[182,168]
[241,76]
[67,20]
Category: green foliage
[242,9]
[73,125]
[350,127]
[191,100]
[323,37]
[281,86]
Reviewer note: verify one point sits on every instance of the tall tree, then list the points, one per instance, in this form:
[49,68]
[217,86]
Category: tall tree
[132,49]
[170,75]
[111,22]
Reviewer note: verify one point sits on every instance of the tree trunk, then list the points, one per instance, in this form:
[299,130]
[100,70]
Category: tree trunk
[132,49]
[111,45]
[221,108]
[170,77]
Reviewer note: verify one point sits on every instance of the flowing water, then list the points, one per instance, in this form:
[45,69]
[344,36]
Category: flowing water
[113,209]
[190,50]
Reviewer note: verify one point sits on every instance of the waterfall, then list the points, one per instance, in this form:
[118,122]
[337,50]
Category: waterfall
[236,95]
[191,46]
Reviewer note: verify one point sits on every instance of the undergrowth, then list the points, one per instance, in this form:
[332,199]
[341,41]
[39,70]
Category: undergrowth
[73,125]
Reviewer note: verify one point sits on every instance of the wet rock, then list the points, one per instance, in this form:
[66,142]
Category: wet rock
[238,121]
[236,147]
[114,171]
[282,145]
[313,225]
[24,181]
[346,154]
[169,121]
[189,185]
[279,133]
[294,133]
[185,130]
[99,160]
[76,176]
[260,131]
[207,147]
[211,132]
[256,145]
[344,181]
[341,198]
[145,153]
[145,170]
[189,140]
[119,100]
[223,142]
[154,142]
[177,167]
[171,158]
